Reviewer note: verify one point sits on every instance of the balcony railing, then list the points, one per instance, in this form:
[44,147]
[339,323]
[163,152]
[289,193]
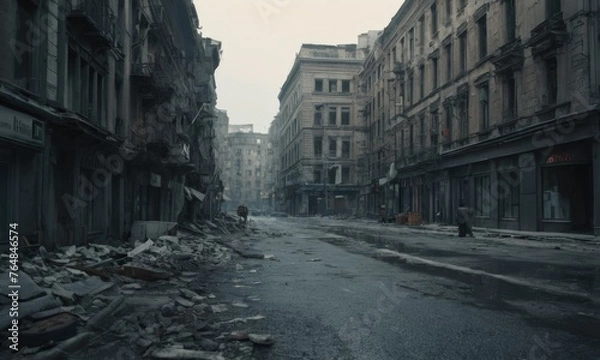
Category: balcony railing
[94,19]
[152,78]
[509,57]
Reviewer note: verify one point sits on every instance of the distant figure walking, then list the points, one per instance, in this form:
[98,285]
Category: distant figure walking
[464,218]
[382,214]
[242,212]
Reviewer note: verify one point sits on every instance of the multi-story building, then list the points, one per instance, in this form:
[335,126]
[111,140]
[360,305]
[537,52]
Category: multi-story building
[321,130]
[103,110]
[221,127]
[272,162]
[246,169]
[491,103]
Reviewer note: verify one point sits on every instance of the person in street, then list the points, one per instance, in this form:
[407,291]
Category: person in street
[382,214]
[242,212]
[464,218]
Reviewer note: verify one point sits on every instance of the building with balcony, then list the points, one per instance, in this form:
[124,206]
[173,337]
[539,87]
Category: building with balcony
[491,103]
[246,168]
[321,130]
[103,116]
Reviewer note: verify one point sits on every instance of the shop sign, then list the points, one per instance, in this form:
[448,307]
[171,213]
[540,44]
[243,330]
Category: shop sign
[561,157]
[15,125]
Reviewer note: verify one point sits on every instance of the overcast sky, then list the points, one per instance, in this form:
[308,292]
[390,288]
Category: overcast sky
[261,38]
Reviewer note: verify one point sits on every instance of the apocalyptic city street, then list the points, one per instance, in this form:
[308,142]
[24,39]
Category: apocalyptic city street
[299,179]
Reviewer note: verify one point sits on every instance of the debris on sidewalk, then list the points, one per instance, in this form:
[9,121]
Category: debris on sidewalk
[259,339]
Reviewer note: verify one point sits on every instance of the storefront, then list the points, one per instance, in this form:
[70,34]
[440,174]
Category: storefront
[21,141]
[567,189]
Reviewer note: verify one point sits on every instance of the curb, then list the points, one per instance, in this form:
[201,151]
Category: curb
[549,290]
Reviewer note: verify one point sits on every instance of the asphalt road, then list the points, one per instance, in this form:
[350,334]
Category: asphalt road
[326,300]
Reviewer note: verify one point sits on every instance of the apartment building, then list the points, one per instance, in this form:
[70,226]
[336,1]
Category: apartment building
[491,103]
[105,112]
[246,170]
[321,130]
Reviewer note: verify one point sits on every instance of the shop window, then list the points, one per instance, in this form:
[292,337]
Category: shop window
[483,194]
[557,183]
[509,195]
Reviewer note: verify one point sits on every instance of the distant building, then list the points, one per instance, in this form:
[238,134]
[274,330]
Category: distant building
[321,130]
[245,172]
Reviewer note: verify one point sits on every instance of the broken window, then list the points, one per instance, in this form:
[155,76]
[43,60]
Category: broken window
[332,115]
[333,86]
[345,116]
[345,86]
[346,149]
[318,146]
[482,30]
[319,85]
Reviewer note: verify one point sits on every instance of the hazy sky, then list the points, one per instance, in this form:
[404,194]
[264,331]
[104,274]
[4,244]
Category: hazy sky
[261,38]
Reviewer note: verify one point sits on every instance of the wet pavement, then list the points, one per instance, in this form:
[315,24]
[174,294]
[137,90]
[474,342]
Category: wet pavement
[333,295]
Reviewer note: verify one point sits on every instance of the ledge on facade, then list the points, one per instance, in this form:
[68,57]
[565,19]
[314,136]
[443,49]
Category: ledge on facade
[93,19]
[553,111]
[81,125]
[548,35]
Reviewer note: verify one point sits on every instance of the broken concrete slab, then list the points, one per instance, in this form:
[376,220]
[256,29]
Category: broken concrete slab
[150,229]
[259,339]
[179,353]
[90,286]
[28,288]
[98,321]
[183,302]
[63,293]
[141,248]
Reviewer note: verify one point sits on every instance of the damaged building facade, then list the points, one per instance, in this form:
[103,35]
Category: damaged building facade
[491,103]
[246,168]
[106,117]
[320,131]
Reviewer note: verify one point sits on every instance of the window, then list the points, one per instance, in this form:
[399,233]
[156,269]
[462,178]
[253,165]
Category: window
[333,86]
[462,4]
[511,20]
[434,19]
[318,146]
[558,184]
[249,184]
[463,116]
[462,48]
[411,86]
[448,56]
[422,131]
[421,82]
[345,86]
[346,149]
[331,175]
[553,7]
[402,50]
[332,115]
[434,73]
[434,127]
[318,115]
[482,30]
[332,147]
[484,106]
[411,139]
[248,172]
[345,116]
[23,45]
[319,85]
[345,174]
[551,81]
[509,194]
[317,172]
[483,196]
[448,11]
[422,32]
[411,43]
[448,122]
[510,99]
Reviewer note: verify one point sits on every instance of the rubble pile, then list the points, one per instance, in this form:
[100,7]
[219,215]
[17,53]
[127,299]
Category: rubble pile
[67,294]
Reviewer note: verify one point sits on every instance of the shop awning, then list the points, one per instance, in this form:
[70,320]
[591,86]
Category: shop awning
[191,194]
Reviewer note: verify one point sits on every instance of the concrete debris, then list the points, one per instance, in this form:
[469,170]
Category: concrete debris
[90,286]
[141,248]
[183,302]
[218,308]
[259,339]
[144,273]
[56,328]
[238,335]
[239,304]
[244,320]
[270,257]
[314,260]
[178,353]
[28,288]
